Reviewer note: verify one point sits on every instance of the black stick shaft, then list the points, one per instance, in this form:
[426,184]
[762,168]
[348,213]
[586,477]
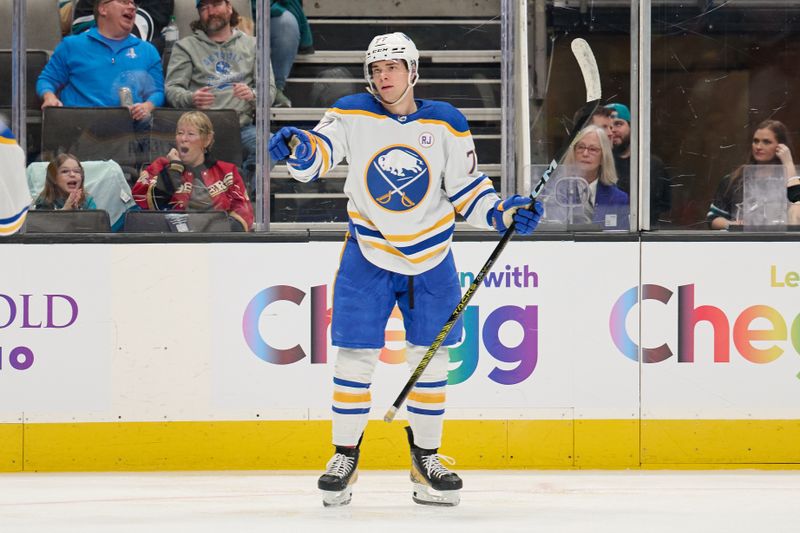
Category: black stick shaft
[585,114]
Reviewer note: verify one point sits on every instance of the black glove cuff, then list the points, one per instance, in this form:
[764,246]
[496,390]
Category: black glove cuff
[793,193]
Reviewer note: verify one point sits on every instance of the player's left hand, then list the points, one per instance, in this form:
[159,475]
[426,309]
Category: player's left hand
[509,210]
[527,218]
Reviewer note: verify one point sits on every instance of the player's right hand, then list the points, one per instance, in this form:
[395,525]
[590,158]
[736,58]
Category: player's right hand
[279,144]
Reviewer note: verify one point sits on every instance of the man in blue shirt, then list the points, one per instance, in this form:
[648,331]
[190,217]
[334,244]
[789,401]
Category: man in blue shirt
[93,68]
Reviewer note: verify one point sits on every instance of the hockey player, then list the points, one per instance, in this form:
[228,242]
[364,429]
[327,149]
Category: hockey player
[14,195]
[412,166]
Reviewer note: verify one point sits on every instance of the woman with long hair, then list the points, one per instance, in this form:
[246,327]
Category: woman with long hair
[770,146]
[591,154]
[63,186]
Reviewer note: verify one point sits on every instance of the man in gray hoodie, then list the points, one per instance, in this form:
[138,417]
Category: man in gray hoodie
[214,68]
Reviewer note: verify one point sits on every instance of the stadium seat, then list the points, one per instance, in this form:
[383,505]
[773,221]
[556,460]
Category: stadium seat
[35,62]
[227,135]
[42,24]
[177,221]
[83,221]
[104,181]
[93,134]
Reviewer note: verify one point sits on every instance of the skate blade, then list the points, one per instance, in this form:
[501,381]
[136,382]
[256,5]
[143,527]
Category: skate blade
[425,495]
[337,498]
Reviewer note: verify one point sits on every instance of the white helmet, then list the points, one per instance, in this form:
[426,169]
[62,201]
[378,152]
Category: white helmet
[392,46]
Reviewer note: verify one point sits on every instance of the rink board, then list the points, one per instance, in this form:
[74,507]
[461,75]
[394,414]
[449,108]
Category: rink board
[166,356]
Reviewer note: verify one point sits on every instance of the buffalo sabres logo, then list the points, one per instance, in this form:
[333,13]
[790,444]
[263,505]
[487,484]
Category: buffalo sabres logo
[397,178]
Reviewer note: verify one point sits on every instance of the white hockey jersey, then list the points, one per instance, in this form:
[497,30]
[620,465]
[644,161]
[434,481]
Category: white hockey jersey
[14,195]
[406,175]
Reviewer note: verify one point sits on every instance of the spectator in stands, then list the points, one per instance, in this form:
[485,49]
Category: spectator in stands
[151,17]
[770,146]
[602,119]
[660,180]
[215,68]
[14,196]
[289,34]
[65,11]
[96,67]
[63,186]
[592,154]
[186,179]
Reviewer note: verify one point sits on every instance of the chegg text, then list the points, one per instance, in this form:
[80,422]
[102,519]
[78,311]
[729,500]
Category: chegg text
[740,329]
[519,361]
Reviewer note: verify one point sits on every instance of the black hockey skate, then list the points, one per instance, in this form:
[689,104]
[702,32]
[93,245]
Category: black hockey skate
[434,484]
[341,473]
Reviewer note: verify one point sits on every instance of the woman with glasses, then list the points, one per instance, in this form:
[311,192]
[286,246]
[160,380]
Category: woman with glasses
[591,154]
[63,186]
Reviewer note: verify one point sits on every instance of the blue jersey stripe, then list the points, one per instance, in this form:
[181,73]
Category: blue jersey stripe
[429,412]
[328,142]
[347,383]
[475,201]
[421,246]
[468,188]
[13,218]
[350,411]
[430,384]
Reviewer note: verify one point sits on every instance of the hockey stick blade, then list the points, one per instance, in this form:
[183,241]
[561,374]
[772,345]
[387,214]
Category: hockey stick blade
[591,75]
[591,78]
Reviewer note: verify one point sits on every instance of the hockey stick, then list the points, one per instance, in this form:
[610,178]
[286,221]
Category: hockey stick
[591,78]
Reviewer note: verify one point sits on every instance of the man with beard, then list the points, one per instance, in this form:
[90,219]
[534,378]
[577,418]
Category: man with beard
[94,68]
[215,68]
[660,180]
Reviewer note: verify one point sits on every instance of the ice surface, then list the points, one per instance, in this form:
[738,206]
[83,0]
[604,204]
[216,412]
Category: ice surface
[506,501]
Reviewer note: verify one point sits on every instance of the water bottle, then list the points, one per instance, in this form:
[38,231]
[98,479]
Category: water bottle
[170,34]
[125,97]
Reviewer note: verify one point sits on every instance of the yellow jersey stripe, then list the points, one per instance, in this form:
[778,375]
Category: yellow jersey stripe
[347,397]
[447,219]
[8,230]
[357,216]
[446,125]
[423,397]
[421,259]
[482,187]
[356,112]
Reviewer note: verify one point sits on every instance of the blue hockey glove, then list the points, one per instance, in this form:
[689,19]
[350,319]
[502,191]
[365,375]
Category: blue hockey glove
[290,142]
[508,210]
[527,218]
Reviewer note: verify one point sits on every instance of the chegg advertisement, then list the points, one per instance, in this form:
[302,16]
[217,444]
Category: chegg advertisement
[722,340]
[618,330]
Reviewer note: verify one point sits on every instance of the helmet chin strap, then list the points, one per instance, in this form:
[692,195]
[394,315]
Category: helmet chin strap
[377,96]
[384,102]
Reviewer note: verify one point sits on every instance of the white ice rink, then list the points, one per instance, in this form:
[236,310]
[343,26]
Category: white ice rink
[531,501]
